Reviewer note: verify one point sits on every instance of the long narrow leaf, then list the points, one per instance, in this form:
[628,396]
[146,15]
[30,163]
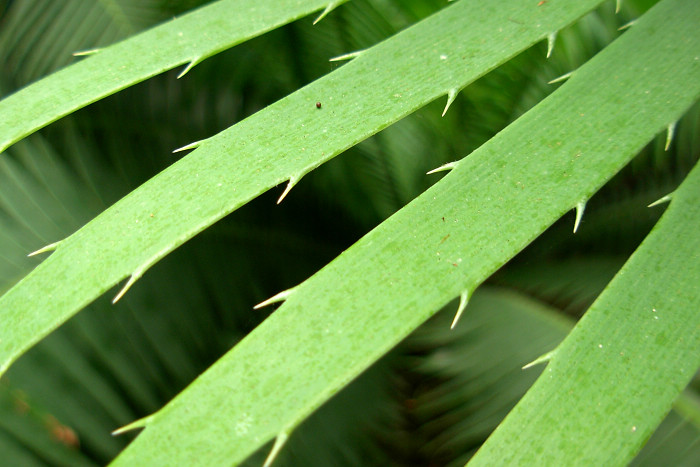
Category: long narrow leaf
[189,39]
[441,245]
[614,378]
[285,141]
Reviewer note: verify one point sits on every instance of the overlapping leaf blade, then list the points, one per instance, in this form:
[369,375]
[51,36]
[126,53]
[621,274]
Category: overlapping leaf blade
[189,39]
[441,245]
[285,141]
[614,378]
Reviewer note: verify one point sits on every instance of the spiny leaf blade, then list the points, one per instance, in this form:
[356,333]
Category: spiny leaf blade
[189,39]
[448,240]
[235,166]
[615,377]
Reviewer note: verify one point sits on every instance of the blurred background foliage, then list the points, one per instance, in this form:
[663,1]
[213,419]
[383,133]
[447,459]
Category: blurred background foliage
[431,401]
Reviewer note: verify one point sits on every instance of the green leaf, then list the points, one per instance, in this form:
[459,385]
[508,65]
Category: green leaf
[189,39]
[675,442]
[283,142]
[614,378]
[41,36]
[442,245]
[472,376]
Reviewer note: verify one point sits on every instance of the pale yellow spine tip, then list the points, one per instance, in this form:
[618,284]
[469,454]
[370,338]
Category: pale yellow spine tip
[132,279]
[541,359]
[551,38]
[347,56]
[580,208]
[443,168]
[187,147]
[280,297]
[627,25]
[140,423]
[276,448]
[561,78]
[463,300]
[664,199]
[670,132]
[327,10]
[195,61]
[84,53]
[287,189]
[451,95]
[50,247]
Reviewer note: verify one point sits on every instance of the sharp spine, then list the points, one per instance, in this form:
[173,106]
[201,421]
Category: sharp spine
[276,448]
[293,180]
[132,279]
[463,300]
[541,359]
[140,423]
[187,147]
[561,78]
[280,297]
[85,53]
[451,95]
[443,168]
[49,247]
[627,25]
[663,199]
[194,62]
[331,6]
[551,38]
[670,132]
[140,271]
[347,56]
[580,208]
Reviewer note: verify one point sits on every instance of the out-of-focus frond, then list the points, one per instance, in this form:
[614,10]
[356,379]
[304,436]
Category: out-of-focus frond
[39,36]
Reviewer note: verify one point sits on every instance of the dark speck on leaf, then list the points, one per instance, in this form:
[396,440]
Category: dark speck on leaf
[318,105]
